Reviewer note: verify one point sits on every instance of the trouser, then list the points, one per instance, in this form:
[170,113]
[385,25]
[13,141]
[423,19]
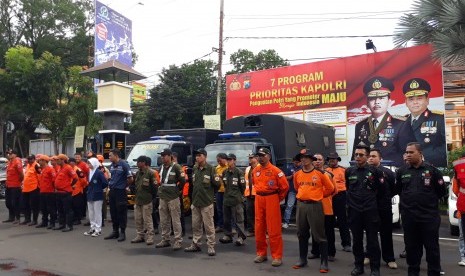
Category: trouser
[155,213]
[83,204]
[118,209]
[234,214]
[310,217]
[65,209]
[289,206]
[369,221]
[170,213]
[48,208]
[182,216]
[330,237]
[419,234]
[268,220]
[461,240]
[13,202]
[78,201]
[250,210]
[144,223]
[203,215]
[385,234]
[95,214]
[104,206]
[340,213]
[219,209]
[31,205]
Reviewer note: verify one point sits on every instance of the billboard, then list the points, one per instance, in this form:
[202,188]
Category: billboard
[113,36]
[384,100]
[139,92]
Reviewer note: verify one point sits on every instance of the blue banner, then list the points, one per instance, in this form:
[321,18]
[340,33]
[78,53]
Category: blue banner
[113,36]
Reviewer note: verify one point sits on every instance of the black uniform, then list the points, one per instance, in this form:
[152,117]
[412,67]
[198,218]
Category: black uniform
[386,136]
[385,214]
[420,189]
[429,131]
[363,186]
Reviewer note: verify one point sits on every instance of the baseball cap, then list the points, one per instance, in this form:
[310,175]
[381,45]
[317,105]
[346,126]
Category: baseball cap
[200,151]
[166,152]
[307,153]
[231,156]
[62,157]
[44,157]
[263,151]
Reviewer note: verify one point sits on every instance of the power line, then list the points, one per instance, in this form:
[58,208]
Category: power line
[307,37]
[329,13]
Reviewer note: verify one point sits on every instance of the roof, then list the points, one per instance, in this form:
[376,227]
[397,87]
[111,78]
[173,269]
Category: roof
[113,70]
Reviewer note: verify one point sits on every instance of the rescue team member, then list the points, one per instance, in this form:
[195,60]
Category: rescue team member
[339,200]
[145,190]
[312,185]
[420,186]
[363,182]
[121,177]
[14,178]
[30,196]
[249,194]
[291,193]
[326,203]
[385,208]
[428,126]
[221,159]
[458,188]
[64,183]
[271,188]
[47,193]
[95,197]
[172,181]
[78,192]
[204,182]
[234,186]
[85,170]
[53,163]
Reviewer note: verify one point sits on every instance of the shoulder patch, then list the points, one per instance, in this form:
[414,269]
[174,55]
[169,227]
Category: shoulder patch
[398,117]
[281,174]
[437,112]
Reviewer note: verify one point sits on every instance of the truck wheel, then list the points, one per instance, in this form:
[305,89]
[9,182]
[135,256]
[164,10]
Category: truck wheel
[454,230]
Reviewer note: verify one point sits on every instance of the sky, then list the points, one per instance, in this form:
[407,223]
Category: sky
[167,32]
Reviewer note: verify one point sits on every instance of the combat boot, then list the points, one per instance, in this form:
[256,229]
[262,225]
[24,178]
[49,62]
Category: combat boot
[303,250]
[324,257]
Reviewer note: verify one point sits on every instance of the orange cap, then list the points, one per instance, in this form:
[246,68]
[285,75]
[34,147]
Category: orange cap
[100,158]
[62,157]
[44,157]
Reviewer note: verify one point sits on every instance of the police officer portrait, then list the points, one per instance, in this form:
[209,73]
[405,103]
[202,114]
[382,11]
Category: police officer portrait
[428,126]
[381,129]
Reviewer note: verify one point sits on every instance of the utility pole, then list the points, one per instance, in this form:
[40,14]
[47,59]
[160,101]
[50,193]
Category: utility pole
[220,60]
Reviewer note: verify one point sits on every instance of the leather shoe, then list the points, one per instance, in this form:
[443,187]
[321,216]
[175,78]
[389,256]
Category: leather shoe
[357,271]
[300,264]
[67,229]
[122,237]
[113,235]
[403,254]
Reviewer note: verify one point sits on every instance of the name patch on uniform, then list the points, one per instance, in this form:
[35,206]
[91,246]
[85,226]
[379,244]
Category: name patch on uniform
[281,174]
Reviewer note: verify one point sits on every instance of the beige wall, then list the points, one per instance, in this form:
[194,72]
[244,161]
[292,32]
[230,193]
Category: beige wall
[114,95]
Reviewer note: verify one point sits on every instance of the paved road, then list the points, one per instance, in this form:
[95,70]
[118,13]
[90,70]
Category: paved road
[29,251]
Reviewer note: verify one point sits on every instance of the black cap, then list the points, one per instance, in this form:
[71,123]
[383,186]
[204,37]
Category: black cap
[200,151]
[263,151]
[72,159]
[378,87]
[252,155]
[166,152]
[307,153]
[231,156]
[12,152]
[416,87]
[31,156]
[333,155]
[142,158]
[222,155]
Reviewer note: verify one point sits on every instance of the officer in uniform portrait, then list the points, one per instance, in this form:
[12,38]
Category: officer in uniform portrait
[428,126]
[381,129]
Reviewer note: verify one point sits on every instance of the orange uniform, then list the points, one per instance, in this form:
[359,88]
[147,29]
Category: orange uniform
[31,178]
[338,177]
[328,201]
[64,178]
[13,173]
[271,187]
[81,183]
[46,179]
[313,185]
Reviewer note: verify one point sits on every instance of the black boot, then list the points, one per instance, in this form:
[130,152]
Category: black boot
[324,257]
[303,251]
[122,236]
[113,235]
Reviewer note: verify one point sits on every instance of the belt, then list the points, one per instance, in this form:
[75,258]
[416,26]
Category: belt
[308,201]
[266,193]
[168,185]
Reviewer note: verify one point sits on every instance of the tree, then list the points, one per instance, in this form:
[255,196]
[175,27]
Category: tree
[183,96]
[439,22]
[246,61]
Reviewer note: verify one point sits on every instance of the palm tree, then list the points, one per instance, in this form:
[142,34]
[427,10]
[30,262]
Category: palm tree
[438,22]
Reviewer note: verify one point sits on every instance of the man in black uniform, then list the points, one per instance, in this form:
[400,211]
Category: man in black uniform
[385,208]
[420,186]
[381,129]
[363,183]
[427,126]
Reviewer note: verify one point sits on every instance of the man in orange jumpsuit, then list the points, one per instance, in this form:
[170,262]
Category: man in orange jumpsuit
[271,187]
[30,196]
[47,193]
[64,184]
[14,177]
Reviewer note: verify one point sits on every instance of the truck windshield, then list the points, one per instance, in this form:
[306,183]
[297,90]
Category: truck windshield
[241,151]
[151,150]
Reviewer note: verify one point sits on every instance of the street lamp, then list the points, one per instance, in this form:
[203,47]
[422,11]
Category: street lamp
[369,45]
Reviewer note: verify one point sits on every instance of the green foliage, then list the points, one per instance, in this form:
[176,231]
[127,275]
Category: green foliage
[246,61]
[439,22]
